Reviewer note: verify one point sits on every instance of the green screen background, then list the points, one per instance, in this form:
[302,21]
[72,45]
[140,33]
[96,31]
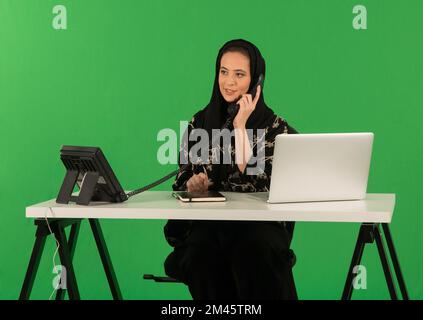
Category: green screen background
[123,70]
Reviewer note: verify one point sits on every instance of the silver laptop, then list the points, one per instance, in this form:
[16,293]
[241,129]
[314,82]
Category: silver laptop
[320,167]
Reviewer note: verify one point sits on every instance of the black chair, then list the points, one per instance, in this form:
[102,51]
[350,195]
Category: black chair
[172,260]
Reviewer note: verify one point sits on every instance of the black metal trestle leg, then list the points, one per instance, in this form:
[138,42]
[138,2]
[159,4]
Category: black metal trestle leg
[356,259]
[66,253]
[395,261]
[66,260]
[385,265]
[370,233]
[34,262]
[60,294]
[105,259]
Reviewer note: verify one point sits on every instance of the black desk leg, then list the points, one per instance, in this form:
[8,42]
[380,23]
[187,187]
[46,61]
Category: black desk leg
[60,294]
[358,254]
[385,264]
[395,261]
[66,260]
[105,259]
[370,233]
[34,262]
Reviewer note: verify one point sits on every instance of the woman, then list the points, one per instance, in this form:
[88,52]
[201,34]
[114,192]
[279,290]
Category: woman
[233,259]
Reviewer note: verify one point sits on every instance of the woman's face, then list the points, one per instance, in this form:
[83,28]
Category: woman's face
[234,75]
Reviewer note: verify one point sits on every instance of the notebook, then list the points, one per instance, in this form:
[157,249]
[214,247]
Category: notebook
[209,196]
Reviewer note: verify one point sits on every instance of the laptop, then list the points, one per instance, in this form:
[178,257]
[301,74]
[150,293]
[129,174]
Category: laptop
[320,167]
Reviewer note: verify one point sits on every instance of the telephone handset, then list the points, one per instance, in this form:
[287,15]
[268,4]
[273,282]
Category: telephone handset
[234,107]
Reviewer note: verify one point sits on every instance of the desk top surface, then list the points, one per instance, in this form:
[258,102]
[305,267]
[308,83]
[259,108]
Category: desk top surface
[239,206]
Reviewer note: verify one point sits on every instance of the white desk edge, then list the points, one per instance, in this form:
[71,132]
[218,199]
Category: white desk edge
[375,208]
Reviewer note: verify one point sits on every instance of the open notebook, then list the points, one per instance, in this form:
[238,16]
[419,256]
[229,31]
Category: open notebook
[209,196]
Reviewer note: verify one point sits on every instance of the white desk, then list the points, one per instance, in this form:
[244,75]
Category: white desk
[376,208]
[373,211]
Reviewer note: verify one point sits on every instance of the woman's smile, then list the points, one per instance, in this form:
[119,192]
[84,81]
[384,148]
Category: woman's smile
[230,92]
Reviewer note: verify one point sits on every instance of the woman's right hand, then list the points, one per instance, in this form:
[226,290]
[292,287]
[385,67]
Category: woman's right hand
[198,183]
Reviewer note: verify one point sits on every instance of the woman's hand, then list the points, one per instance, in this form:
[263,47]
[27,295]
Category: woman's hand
[246,108]
[198,183]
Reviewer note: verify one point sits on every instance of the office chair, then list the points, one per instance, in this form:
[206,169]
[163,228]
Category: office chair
[172,260]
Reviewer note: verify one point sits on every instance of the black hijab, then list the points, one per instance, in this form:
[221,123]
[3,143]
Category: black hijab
[215,113]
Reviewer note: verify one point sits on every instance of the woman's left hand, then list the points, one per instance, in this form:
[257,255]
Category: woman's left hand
[246,108]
